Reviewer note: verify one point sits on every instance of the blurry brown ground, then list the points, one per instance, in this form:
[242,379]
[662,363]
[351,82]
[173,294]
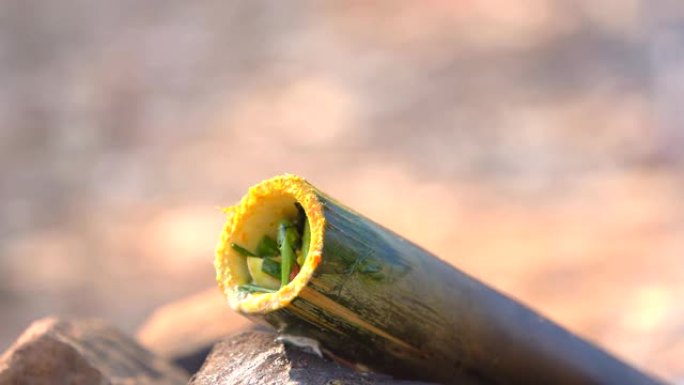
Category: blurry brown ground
[537,145]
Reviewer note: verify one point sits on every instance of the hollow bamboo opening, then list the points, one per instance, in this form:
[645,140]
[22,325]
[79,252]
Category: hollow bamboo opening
[256,215]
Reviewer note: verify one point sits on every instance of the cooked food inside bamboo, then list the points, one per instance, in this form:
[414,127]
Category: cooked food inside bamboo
[277,259]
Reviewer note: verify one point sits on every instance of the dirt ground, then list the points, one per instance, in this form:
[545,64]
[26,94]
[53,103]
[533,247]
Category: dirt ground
[536,145]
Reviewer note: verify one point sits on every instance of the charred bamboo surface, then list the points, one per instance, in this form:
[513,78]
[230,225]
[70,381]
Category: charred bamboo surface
[374,299]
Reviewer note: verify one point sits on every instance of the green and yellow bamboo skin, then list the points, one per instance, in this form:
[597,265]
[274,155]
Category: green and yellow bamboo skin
[372,298]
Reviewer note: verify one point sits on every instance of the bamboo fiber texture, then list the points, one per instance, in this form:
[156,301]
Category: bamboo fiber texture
[373,299]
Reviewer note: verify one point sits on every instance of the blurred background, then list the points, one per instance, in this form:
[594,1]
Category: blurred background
[536,144]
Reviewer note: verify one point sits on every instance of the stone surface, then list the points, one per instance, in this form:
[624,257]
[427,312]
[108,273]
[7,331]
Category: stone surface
[184,331]
[53,351]
[256,357]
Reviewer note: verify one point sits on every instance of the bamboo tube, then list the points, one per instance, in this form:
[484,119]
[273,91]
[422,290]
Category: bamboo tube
[372,298]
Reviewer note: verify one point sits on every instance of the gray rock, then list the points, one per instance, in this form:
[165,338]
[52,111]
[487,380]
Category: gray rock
[256,357]
[75,352]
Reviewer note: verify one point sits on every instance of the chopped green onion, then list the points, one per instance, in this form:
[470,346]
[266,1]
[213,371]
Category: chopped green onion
[287,238]
[287,229]
[277,259]
[242,251]
[306,239]
[259,277]
[271,268]
[267,247]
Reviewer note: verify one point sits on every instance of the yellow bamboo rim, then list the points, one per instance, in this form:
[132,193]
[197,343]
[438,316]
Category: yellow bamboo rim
[255,215]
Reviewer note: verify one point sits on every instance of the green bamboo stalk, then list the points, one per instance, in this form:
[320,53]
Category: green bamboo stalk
[379,301]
